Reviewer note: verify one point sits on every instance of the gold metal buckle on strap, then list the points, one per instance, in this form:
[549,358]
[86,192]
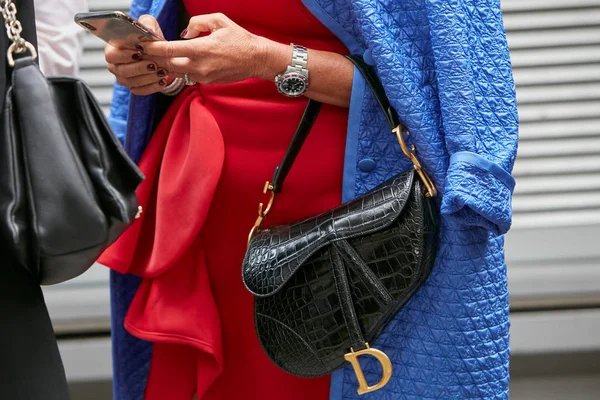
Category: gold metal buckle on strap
[411,154]
[262,213]
[386,366]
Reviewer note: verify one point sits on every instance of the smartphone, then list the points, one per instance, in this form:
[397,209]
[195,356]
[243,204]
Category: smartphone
[116,28]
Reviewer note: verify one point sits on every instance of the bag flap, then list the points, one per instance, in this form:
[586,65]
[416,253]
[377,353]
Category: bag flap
[113,175]
[275,254]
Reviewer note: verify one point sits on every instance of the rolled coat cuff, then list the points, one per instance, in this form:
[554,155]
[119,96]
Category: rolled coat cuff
[478,193]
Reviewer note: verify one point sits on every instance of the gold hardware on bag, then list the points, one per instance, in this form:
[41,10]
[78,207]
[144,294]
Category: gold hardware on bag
[139,212]
[262,213]
[13,31]
[20,47]
[411,154]
[386,366]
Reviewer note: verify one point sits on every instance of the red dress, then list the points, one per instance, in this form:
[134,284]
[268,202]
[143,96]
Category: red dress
[205,167]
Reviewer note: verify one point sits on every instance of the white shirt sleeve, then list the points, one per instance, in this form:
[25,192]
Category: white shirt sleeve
[60,40]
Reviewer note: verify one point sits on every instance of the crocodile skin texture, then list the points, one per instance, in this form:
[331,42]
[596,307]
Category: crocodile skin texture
[386,241]
[275,254]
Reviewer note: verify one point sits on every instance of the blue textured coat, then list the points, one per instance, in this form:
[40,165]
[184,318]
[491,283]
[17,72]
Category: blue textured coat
[446,69]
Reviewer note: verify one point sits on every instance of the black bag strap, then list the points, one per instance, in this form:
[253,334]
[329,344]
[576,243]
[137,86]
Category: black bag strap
[306,123]
[308,120]
[312,111]
[370,75]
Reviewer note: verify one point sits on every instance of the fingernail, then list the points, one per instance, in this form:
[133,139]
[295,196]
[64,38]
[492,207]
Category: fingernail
[139,48]
[151,67]
[185,31]
[161,73]
[136,56]
[162,82]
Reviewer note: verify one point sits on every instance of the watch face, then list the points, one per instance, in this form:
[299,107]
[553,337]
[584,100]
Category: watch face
[293,84]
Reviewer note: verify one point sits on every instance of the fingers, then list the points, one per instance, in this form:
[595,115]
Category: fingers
[205,23]
[151,23]
[135,69]
[138,80]
[179,65]
[198,24]
[179,48]
[149,89]
[121,56]
[142,77]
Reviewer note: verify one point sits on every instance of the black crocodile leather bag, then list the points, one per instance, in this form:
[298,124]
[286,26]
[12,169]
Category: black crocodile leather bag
[326,287]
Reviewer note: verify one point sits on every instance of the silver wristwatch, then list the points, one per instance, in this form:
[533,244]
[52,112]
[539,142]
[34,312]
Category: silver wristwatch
[294,81]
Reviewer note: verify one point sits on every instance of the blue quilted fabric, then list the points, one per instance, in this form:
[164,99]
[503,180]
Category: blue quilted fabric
[446,69]
[131,356]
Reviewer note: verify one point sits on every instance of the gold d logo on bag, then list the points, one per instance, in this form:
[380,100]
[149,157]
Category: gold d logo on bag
[386,366]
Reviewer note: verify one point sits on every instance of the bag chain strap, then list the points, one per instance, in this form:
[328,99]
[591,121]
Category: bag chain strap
[13,31]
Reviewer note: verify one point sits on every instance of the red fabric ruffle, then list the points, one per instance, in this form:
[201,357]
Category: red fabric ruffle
[175,306]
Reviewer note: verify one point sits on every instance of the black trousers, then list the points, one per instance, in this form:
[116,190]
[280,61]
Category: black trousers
[30,365]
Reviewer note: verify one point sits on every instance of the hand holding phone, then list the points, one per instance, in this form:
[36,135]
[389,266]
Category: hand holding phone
[140,75]
[116,28]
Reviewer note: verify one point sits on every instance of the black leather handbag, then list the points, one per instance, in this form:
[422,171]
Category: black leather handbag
[67,188]
[326,287]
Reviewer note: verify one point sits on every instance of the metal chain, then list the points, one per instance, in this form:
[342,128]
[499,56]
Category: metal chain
[12,24]
[13,31]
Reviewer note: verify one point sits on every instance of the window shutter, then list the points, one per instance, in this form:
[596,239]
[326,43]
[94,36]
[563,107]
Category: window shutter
[552,250]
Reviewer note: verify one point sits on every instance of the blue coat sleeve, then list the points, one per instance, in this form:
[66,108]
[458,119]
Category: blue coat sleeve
[478,110]
[119,107]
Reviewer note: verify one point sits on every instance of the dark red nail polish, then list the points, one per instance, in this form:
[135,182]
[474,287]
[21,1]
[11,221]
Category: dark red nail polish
[136,56]
[139,48]
[161,73]
[151,67]
[162,82]
[185,31]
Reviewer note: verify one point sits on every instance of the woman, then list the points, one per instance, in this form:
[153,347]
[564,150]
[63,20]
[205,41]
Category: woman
[446,70]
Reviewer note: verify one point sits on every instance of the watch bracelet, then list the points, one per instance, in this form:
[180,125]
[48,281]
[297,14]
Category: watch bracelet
[299,57]
[299,63]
